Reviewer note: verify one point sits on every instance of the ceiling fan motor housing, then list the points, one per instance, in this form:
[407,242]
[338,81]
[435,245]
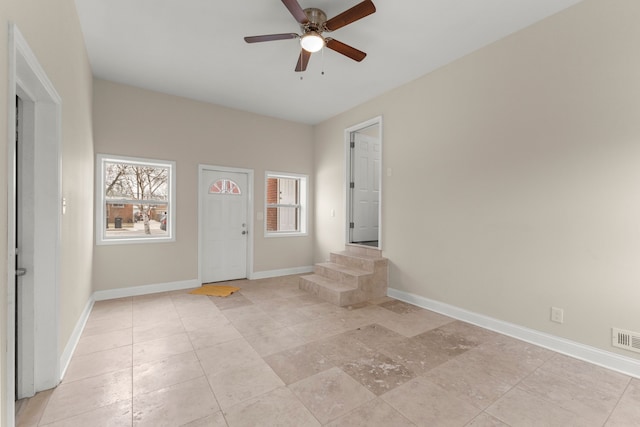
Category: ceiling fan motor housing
[317,18]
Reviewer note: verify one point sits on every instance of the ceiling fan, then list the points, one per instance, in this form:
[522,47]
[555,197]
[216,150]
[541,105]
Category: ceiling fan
[313,22]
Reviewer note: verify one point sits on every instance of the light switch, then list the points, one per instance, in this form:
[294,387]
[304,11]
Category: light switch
[389,171]
[259,216]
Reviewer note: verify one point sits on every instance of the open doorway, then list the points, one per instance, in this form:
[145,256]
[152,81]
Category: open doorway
[364,165]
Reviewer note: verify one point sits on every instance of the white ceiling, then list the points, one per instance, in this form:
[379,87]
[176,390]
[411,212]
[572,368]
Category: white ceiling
[195,48]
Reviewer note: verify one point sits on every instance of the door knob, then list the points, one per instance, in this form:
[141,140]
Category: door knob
[244,231]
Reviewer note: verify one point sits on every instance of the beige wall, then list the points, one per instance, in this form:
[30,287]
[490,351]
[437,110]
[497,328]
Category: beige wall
[136,122]
[53,32]
[515,182]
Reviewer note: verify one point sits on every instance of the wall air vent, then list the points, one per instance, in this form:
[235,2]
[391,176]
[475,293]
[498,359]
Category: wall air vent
[625,339]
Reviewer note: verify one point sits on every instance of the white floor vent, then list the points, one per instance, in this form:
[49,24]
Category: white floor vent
[626,339]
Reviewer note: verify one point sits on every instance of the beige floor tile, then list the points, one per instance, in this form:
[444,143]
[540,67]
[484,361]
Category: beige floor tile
[507,359]
[519,408]
[175,405]
[579,387]
[278,407]
[242,383]
[161,348]
[377,372]
[469,383]
[427,404]
[320,328]
[100,325]
[416,355]
[342,348]
[210,321]
[215,420]
[274,341]
[160,329]
[209,337]
[373,413]
[190,305]
[226,356]
[375,336]
[486,420]
[118,414]
[155,315]
[297,363]
[446,341]
[29,411]
[235,300]
[399,307]
[188,361]
[469,332]
[153,376]
[257,323]
[78,397]
[112,308]
[627,413]
[413,323]
[105,341]
[331,394]
[98,363]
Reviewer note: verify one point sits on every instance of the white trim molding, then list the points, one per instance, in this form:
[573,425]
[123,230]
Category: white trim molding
[41,362]
[70,348]
[284,272]
[613,361]
[135,291]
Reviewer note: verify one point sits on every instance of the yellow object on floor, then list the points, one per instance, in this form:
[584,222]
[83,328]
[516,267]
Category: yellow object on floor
[215,290]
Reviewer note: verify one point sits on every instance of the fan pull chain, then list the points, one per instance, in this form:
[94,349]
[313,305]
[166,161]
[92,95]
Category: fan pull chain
[322,61]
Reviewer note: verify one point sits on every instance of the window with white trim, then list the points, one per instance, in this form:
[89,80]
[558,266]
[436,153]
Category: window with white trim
[134,200]
[286,204]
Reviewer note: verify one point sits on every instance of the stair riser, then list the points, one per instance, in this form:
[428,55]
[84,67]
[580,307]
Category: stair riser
[370,265]
[337,276]
[364,251]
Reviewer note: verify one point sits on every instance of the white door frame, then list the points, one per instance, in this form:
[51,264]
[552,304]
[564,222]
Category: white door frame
[347,175]
[39,331]
[249,172]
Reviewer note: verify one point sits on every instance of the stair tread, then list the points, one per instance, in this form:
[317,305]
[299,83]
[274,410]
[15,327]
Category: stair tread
[343,268]
[328,283]
[358,256]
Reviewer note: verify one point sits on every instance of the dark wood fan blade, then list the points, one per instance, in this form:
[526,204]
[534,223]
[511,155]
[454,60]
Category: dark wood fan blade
[296,10]
[358,11]
[303,60]
[270,37]
[345,49]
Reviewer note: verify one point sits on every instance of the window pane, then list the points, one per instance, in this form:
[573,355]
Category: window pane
[128,220]
[283,218]
[135,200]
[224,186]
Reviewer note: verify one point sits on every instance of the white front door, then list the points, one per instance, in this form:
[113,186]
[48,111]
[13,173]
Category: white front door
[224,197]
[366,192]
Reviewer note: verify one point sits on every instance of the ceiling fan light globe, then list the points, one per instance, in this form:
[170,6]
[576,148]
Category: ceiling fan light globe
[312,42]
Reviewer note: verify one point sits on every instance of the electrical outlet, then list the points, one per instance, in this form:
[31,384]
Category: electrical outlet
[557,315]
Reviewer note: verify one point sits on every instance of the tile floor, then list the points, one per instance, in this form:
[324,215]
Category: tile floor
[272,355]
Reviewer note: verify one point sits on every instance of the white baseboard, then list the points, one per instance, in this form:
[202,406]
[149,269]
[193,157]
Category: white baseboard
[70,348]
[613,361]
[145,289]
[283,272]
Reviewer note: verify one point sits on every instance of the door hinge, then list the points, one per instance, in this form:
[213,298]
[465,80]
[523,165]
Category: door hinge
[352,144]
[352,185]
[352,225]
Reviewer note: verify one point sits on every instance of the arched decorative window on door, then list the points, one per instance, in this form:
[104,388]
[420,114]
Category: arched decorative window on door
[224,186]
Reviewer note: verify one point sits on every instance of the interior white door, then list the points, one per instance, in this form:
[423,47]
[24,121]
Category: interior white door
[366,191]
[224,225]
